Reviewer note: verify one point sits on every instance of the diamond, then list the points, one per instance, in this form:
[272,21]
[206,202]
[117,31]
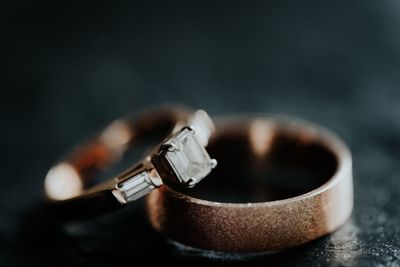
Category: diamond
[188,158]
[136,186]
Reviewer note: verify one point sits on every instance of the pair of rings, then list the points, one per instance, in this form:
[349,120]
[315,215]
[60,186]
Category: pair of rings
[253,153]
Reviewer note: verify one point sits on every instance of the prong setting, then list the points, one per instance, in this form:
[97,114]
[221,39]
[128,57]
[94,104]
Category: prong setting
[170,147]
[213,163]
[191,183]
[187,158]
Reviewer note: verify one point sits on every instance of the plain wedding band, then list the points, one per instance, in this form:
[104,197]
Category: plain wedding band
[262,226]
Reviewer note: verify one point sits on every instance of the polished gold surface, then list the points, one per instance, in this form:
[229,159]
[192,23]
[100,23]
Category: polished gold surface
[200,219]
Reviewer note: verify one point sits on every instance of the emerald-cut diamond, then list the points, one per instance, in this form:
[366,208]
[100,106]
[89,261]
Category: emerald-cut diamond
[188,158]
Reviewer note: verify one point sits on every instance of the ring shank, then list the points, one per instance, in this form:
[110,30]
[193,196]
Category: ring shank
[205,223]
[69,184]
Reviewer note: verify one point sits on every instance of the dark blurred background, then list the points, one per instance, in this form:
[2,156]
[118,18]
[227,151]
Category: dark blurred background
[69,68]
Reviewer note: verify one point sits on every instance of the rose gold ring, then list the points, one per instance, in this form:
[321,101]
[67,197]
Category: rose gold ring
[279,183]
[181,158]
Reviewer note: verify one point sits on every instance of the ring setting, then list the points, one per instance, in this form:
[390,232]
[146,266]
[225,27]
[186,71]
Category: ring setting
[182,156]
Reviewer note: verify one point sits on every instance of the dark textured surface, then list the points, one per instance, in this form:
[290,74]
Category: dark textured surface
[67,69]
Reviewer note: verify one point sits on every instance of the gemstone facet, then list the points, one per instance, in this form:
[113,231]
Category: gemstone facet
[136,186]
[188,158]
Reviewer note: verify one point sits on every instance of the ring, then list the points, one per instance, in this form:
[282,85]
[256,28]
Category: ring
[181,158]
[259,155]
